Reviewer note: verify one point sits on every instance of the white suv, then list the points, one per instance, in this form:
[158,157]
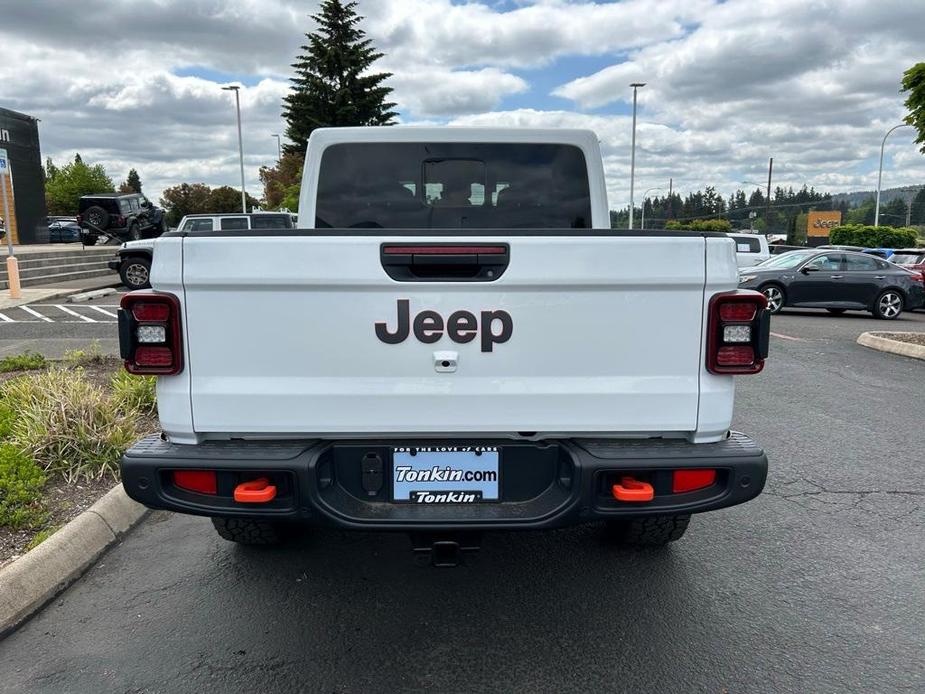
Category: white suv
[751,249]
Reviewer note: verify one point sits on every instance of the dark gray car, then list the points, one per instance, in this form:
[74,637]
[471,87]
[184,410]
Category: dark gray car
[835,280]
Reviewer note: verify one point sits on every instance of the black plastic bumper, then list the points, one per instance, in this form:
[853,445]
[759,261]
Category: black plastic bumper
[114,264]
[544,484]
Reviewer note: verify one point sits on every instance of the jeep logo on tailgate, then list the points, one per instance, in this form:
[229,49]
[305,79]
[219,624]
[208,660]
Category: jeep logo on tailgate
[461,326]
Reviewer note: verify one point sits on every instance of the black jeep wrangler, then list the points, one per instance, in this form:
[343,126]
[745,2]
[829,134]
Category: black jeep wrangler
[120,217]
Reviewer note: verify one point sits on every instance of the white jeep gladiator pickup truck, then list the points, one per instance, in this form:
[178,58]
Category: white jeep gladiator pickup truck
[459,344]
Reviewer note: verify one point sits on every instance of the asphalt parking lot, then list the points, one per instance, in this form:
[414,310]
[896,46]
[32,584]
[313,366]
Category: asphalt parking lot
[816,586]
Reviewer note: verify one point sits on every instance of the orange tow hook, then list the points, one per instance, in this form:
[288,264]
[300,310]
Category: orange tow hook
[257,491]
[631,489]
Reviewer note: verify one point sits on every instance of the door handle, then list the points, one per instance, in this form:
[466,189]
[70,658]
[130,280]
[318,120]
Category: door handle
[879,277]
[836,277]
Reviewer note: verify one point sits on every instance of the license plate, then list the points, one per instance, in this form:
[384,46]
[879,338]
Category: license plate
[446,474]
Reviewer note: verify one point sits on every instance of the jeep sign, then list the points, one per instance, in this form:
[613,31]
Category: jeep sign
[495,327]
[818,224]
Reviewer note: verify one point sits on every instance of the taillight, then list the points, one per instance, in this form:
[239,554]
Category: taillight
[738,330]
[202,481]
[120,221]
[80,218]
[688,480]
[150,339]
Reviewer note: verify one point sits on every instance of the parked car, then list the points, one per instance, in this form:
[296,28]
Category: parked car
[835,280]
[133,259]
[454,379]
[909,258]
[751,249]
[126,216]
[63,230]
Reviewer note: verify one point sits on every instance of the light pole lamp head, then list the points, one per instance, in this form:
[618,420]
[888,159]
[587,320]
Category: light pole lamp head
[637,85]
[231,88]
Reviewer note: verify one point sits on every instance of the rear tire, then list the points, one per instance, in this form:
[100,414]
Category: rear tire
[776,297]
[248,531]
[888,305]
[653,531]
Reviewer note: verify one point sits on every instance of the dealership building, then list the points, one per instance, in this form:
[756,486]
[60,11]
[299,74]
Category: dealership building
[25,189]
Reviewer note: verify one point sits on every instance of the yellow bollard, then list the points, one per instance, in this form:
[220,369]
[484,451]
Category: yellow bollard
[12,274]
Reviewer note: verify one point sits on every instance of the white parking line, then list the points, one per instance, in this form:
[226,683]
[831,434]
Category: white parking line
[36,314]
[6,318]
[75,314]
[103,311]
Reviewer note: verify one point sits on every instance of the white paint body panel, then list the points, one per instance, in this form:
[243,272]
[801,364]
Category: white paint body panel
[607,336]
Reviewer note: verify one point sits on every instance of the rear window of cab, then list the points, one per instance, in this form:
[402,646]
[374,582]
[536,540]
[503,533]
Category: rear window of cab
[446,185]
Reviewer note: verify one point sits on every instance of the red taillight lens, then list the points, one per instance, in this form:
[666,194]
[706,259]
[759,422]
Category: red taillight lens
[202,481]
[689,480]
[737,333]
[151,312]
[738,312]
[149,333]
[735,356]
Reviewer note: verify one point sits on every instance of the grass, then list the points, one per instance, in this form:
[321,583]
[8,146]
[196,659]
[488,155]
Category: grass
[41,536]
[68,425]
[134,394]
[21,483]
[92,356]
[27,361]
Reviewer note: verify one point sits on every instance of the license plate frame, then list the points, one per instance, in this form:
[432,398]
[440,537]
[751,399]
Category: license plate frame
[417,474]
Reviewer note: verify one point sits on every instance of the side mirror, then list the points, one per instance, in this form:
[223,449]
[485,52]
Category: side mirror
[806,269]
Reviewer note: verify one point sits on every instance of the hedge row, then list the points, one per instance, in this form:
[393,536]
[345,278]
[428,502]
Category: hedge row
[873,237]
[700,225]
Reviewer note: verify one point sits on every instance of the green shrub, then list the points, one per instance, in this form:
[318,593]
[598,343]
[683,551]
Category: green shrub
[92,356]
[872,237]
[7,417]
[68,425]
[26,361]
[134,394]
[700,225]
[21,482]
[40,537]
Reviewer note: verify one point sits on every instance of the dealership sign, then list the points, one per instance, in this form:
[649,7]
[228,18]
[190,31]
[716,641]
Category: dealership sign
[819,223]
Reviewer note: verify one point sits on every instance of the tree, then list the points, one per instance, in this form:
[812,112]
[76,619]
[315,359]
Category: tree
[227,199]
[918,207]
[332,84]
[66,184]
[914,85]
[133,181]
[184,199]
[281,183]
[198,198]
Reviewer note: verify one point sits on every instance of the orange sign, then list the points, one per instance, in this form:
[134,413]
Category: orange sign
[820,223]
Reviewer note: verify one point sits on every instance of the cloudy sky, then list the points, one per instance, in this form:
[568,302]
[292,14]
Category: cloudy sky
[813,83]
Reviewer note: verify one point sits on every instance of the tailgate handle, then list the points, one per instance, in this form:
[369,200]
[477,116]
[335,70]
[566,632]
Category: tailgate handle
[445,262]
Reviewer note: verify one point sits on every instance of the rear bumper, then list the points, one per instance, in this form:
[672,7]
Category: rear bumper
[544,485]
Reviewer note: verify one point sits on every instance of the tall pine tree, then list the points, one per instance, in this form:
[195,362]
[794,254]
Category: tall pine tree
[134,180]
[332,84]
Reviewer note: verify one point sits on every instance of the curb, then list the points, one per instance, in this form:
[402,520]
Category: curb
[38,576]
[92,294]
[103,283]
[884,344]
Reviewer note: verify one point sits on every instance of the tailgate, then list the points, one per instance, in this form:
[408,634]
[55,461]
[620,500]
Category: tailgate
[604,336]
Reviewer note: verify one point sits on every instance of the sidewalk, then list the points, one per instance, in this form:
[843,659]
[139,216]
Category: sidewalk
[32,294]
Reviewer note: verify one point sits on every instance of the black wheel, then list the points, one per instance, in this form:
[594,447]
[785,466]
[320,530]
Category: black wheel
[654,531]
[248,531]
[836,311]
[97,216]
[888,305]
[136,273]
[774,293]
[134,233]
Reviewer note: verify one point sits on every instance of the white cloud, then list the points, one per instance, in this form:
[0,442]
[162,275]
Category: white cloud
[812,83]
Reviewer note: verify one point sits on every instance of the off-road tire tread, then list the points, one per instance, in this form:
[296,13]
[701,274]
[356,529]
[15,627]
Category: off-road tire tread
[654,531]
[248,531]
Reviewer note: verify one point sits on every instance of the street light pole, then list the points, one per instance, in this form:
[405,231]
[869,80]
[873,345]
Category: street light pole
[880,173]
[644,198]
[237,101]
[279,148]
[636,86]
